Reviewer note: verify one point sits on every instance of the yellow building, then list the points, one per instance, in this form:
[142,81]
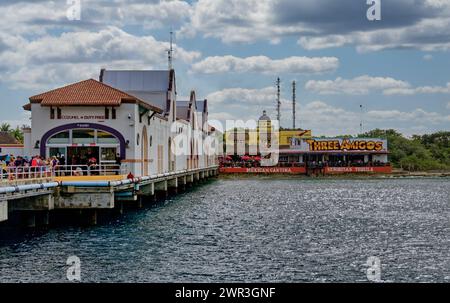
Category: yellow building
[239,138]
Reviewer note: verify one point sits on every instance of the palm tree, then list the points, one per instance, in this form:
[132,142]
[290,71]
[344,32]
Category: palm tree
[5,127]
[17,134]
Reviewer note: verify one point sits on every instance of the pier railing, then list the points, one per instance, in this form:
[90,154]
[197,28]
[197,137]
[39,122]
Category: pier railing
[40,172]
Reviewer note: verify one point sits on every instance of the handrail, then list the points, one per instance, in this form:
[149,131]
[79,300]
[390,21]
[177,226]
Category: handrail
[40,172]
[130,181]
[26,187]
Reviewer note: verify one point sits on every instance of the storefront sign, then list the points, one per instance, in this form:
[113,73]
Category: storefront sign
[338,144]
[84,117]
[370,169]
[264,170]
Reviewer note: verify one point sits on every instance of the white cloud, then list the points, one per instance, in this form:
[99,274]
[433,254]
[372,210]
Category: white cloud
[38,17]
[428,57]
[319,116]
[231,20]
[263,64]
[419,90]
[148,14]
[321,24]
[72,56]
[242,96]
[448,105]
[357,86]
[364,85]
[426,35]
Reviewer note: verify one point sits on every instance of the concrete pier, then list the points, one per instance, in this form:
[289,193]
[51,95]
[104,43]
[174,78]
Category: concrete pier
[86,198]
[3,210]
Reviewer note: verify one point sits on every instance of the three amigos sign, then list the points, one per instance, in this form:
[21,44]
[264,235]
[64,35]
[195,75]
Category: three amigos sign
[342,145]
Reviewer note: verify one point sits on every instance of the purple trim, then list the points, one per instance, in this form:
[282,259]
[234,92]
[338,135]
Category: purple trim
[64,127]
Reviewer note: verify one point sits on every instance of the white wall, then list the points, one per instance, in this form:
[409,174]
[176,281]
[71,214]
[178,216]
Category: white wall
[127,123]
[16,151]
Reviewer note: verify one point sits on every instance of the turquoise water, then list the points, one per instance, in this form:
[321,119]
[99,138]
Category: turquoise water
[253,231]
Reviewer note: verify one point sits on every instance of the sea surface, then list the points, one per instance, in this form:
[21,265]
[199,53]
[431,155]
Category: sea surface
[264,230]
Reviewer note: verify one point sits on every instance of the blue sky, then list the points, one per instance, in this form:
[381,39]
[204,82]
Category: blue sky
[231,52]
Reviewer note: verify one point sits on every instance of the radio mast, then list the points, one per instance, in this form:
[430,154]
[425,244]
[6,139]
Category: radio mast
[293,104]
[361,119]
[170,51]
[278,99]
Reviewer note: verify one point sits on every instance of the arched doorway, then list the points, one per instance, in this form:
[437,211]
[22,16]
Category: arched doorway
[103,136]
[79,143]
[144,152]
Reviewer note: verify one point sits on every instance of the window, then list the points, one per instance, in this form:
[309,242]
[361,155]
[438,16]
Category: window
[60,138]
[106,113]
[108,154]
[57,151]
[58,113]
[283,159]
[52,113]
[151,141]
[138,138]
[106,138]
[83,136]
[113,113]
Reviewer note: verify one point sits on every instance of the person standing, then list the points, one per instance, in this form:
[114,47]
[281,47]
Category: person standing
[7,159]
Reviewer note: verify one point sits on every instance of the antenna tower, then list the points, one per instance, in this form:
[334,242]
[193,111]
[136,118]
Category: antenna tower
[293,104]
[278,99]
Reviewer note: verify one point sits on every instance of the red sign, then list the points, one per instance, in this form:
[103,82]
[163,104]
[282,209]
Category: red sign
[368,169]
[302,170]
[264,170]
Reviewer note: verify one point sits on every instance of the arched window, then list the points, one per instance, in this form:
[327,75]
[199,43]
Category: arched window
[83,136]
[60,138]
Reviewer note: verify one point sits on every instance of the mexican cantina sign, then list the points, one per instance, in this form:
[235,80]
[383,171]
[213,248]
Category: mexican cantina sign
[338,144]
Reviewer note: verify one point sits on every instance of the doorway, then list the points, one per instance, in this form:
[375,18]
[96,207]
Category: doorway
[81,155]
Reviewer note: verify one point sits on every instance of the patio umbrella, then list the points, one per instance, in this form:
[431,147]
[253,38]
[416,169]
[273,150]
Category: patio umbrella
[245,158]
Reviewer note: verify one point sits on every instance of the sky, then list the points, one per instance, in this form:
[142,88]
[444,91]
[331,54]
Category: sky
[231,52]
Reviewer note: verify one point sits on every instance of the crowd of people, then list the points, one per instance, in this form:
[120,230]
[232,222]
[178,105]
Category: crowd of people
[13,167]
[23,167]
[232,162]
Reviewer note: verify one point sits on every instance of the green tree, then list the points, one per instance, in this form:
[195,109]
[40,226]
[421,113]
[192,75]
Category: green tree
[17,134]
[426,152]
[5,127]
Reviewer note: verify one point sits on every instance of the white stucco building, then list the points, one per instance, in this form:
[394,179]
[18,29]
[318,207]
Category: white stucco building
[128,113]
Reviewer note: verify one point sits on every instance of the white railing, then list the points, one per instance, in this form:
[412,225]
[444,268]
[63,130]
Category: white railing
[40,172]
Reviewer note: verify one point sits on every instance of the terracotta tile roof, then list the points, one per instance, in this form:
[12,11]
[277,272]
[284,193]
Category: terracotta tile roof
[6,138]
[86,93]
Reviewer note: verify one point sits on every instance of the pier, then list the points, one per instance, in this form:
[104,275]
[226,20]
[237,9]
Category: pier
[36,198]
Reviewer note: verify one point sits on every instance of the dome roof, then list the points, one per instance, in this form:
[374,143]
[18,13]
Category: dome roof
[264,117]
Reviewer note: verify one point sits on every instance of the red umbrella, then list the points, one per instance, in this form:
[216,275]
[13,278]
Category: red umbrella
[245,158]
[228,158]
[257,158]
